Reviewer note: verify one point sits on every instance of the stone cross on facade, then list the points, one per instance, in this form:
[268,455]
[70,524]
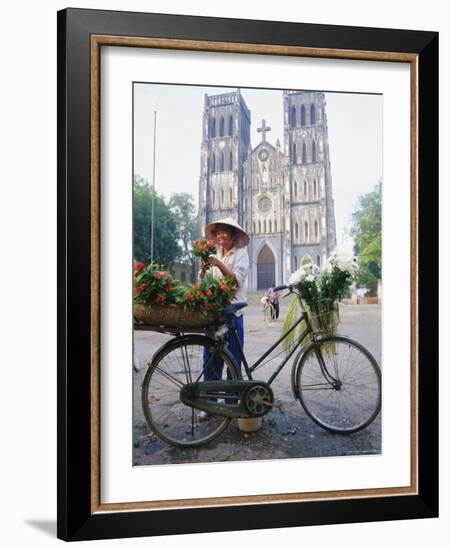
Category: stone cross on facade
[264,129]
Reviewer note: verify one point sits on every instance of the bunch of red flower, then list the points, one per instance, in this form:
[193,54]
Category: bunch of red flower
[210,294]
[204,248]
[153,286]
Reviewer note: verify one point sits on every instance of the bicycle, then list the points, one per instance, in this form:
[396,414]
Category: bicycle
[336,380]
[269,313]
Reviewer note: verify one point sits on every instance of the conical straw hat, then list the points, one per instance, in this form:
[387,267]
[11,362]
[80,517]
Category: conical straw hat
[241,238]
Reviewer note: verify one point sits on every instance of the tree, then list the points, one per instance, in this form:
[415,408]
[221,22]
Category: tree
[366,231]
[183,207]
[165,242]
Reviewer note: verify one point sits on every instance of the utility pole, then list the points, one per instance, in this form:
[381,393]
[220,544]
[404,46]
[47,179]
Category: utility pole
[153,190]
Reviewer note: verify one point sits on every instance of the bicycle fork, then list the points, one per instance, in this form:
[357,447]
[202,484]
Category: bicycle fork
[336,384]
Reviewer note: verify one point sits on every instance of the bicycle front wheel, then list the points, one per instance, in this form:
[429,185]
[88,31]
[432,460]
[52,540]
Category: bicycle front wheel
[178,363]
[269,314]
[339,385]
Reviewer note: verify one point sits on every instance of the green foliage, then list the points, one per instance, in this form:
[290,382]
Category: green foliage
[323,318]
[335,283]
[165,242]
[291,317]
[366,231]
[309,290]
[182,207]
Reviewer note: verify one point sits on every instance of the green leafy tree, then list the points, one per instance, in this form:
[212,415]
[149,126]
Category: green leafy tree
[366,232]
[183,208]
[165,242]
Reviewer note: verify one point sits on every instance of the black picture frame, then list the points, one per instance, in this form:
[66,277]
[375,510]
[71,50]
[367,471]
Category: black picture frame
[78,517]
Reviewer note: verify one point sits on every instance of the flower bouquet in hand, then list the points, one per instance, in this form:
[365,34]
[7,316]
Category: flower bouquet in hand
[203,248]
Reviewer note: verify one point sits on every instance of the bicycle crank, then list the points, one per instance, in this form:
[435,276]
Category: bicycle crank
[230,398]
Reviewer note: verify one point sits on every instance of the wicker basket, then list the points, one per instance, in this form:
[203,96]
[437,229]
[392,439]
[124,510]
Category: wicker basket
[324,316]
[173,316]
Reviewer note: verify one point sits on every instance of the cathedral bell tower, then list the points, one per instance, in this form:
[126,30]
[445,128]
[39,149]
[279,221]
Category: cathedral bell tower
[312,222]
[224,149]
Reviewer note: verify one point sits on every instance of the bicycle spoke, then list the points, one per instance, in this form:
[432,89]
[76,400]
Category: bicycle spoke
[354,401]
[169,377]
[168,417]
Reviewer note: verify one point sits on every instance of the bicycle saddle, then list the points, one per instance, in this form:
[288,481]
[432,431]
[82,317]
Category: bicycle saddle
[234,308]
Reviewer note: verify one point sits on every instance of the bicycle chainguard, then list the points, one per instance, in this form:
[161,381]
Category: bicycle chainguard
[230,398]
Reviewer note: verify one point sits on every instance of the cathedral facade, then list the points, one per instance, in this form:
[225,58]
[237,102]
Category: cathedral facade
[282,196]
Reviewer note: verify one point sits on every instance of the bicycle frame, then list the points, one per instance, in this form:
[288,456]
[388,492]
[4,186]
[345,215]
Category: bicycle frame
[308,330]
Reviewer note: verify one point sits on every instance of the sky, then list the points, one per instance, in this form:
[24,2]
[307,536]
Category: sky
[354,134]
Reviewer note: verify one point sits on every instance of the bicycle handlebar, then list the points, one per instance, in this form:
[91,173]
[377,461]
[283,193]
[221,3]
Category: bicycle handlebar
[282,287]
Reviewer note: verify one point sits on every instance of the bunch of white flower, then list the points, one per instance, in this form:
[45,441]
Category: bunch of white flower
[307,272]
[342,260]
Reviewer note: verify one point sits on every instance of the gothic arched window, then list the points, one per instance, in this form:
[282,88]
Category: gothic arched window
[270,226]
[231,197]
[222,162]
[213,163]
[276,226]
[294,153]
[254,227]
[316,229]
[303,116]
[314,151]
[304,153]
[305,190]
[221,127]
[306,231]
[295,190]
[212,127]
[315,189]
[265,227]
[231,161]
[230,126]
[221,198]
[296,232]
[213,197]
[259,227]
[318,260]
[293,117]
[295,263]
[312,114]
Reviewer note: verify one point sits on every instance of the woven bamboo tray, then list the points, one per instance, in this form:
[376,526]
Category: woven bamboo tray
[172,316]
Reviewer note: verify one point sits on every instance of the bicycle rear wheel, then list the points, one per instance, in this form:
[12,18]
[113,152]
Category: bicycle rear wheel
[349,399]
[178,363]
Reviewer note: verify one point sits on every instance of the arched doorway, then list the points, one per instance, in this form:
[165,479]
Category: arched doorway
[266,268]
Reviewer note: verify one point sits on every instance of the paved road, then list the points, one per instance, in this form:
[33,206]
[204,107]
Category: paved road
[285,433]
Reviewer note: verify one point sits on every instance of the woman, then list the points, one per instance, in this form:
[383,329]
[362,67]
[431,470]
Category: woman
[231,260]
[274,298]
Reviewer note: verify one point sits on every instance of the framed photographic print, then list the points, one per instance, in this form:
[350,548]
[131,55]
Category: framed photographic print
[248,265]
